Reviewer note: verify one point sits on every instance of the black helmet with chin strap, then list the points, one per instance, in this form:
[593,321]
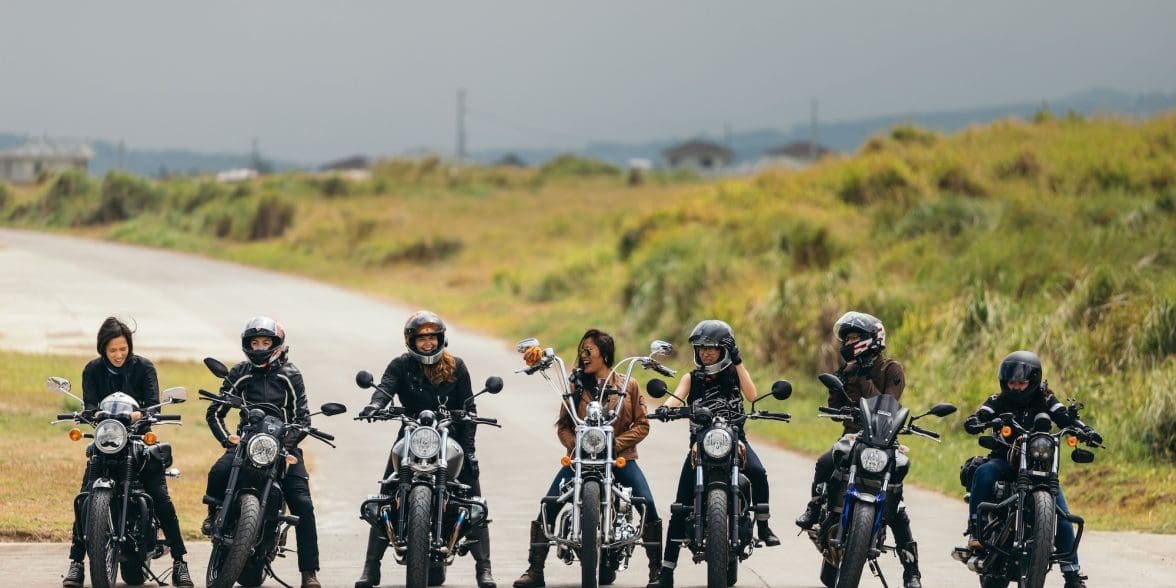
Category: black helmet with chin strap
[1022,366]
[264,326]
[712,333]
[424,322]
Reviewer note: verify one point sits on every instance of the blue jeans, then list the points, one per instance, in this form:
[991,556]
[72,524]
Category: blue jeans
[630,476]
[983,484]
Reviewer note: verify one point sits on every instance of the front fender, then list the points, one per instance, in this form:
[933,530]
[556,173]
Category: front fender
[102,484]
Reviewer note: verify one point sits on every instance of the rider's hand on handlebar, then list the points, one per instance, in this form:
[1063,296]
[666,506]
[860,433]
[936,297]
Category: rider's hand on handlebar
[1092,436]
[368,411]
[662,413]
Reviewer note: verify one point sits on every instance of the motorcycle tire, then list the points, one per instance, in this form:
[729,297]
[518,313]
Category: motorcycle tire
[437,576]
[828,574]
[253,574]
[1044,527]
[718,555]
[226,565]
[989,582]
[857,542]
[590,534]
[420,503]
[132,573]
[101,547]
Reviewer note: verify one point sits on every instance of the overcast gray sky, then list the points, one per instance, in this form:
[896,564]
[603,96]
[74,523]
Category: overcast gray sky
[319,80]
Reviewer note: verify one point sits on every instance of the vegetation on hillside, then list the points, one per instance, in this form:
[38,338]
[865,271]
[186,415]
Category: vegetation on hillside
[1055,235]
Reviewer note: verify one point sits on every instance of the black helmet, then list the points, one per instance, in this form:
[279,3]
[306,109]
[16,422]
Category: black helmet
[712,333]
[868,327]
[264,326]
[424,322]
[1020,365]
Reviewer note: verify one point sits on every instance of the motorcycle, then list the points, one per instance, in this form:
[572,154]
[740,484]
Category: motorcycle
[852,528]
[1016,530]
[120,527]
[251,523]
[430,518]
[597,520]
[719,520]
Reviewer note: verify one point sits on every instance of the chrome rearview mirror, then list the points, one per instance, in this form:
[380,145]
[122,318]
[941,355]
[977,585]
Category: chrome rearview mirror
[660,347]
[176,395]
[525,344]
[57,385]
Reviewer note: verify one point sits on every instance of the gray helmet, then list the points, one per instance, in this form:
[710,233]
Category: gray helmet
[712,333]
[264,326]
[424,322]
[868,327]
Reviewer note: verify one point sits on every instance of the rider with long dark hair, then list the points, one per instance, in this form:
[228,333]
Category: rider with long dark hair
[118,369]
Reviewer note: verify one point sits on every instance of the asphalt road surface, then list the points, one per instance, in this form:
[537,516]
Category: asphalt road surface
[55,291]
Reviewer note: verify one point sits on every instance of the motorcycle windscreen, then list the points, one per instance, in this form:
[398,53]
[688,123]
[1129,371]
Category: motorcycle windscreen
[882,417]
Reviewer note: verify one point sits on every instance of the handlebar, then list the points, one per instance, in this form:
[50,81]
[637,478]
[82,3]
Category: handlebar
[921,431]
[67,417]
[319,434]
[167,417]
[771,416]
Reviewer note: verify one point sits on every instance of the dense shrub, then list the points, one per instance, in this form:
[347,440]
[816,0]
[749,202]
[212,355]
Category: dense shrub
[124,196]
[271,218]
[881,179]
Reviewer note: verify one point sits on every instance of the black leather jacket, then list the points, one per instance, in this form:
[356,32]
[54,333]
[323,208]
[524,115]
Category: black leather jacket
[136,378]
[405,378]
[1043,401]
[282,387]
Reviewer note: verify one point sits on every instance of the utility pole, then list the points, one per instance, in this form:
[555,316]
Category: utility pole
[461,136]
[727,134]
[122,155]
[815,136]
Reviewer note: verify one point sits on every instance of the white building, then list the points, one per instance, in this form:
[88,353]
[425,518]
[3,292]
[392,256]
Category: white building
[24,164]
[700,156]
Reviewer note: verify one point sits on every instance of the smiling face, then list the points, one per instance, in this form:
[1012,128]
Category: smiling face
[261,343]
[117,351]
[590,359]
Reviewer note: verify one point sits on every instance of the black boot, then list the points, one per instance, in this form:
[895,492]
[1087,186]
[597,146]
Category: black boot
[766,535]
[75,576]
[1074,579]
[206,526]
[481,553]
[377,544]
[653,550]
[665,578]
[536,559]
[180,575]
[908,554]
[811,514]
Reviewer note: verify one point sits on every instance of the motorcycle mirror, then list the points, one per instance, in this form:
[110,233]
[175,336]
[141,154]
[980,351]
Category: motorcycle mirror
[989,442]
[176,395]
[782,390]
[660,347]
[172,472]
[526,344]
[832,383]
[656,388]
[57,385]
[494,384]
[333,408]
[217,368]
[942,409]
[364,379]
[1082,456]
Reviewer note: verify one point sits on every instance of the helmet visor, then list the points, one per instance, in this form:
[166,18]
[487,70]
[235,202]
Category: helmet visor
[1016,371]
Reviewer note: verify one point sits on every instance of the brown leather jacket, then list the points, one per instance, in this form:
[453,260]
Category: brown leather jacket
[886,377]
[631,426]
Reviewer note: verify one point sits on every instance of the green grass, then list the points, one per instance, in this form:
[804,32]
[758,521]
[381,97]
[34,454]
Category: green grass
[1055,235]
[43,468]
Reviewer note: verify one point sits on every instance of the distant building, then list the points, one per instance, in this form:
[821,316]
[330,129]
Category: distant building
[351,163]
[510,160]
[700,156]
[22,165]
[794,155]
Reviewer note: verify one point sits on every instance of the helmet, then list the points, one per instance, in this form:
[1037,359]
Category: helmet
[1020,365]
[264,326]
[119,404]
[712,333]
[868,327]
[424,322]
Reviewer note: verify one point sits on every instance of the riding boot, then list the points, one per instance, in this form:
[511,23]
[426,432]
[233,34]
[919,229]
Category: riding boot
[908,554]
[537,558]
[75,576]
[377,544]
[1074,579]
[310,580]
[812,512]
[765,534]
[653,550]
[665,578]
[481,554]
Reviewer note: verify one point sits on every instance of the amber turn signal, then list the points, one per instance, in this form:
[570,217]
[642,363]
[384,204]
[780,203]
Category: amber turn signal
[150,438]
[565,461]
[1006,431]
[621,462]
[75,434]
[291,459]
[1072,441]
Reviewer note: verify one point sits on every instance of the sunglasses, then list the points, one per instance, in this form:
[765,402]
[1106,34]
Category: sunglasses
[586,352]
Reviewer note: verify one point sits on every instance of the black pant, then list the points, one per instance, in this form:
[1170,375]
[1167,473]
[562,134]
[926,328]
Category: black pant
[756,474]
[295,490]
[897,518]
[155,486]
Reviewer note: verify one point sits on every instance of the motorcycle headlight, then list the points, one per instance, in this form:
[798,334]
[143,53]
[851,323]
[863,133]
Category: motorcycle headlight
[874,460]
[593,441]
[1041,449]
[717,443]
[110,436]
[425,443]
[262,450]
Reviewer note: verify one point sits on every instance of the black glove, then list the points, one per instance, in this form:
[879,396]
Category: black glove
[661,413]
[368,410]
[866,361]
[1092,436]
[472,463]
[973,425]
[732,350]
[293,437]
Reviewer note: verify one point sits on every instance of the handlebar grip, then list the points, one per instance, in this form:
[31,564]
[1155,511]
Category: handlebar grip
[931,434]
[663,370]
[207,394]
[488,421]
[828,410]
[167,417]
[321,435]
[66,417]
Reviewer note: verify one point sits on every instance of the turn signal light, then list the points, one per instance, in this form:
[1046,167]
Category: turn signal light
[75,434]
[150,438]
[1072,441]
[621,462]
[291,459]
[1006,431]
[532,355]
[565,461]
[234,439]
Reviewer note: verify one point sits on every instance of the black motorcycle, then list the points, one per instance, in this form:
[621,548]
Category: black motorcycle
[1016,530]
[852,528]
[251,523]
[118,516]
[430,518]
[719,520]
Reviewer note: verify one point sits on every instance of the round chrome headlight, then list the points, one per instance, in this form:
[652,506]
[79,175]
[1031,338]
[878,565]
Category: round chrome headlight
[425,443]
[110,436]
[1041,449]
[262,450]
[593,441]
[717,443]
[874,460]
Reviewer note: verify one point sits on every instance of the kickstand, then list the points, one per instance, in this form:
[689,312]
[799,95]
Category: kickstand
[877,570]
[155,578]
[269,569]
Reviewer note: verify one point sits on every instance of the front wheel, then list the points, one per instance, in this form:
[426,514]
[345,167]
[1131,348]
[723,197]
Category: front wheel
[590,534]
[828,574]
[132,572]
[1044,527]
[857,542]
[101,541]
[420,502]
[990,582]
[717,551]
[228,560]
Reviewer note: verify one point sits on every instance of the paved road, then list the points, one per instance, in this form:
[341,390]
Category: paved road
[54,291]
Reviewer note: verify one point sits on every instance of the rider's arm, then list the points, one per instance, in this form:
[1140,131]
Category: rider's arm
[150,383]
[681,393]
[464,390]
[975,423]
[639,427]
[90,398]
[390,381]
[215,416]
[745,383]
[301,405]
[565,429]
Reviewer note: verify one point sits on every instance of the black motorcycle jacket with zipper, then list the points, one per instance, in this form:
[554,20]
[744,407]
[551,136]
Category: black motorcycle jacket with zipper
[1023,411]
[136,378]
[281,387]
[405,378]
